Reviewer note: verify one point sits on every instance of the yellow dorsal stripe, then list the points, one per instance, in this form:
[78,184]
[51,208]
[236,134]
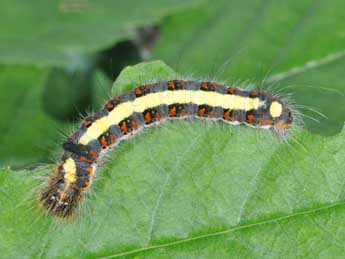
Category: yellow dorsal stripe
[124,110]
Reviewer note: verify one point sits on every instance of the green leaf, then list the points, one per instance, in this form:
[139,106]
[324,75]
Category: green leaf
[256,40]
[142,73]
[56,33]
[102,87]
[191,189]
[28,134]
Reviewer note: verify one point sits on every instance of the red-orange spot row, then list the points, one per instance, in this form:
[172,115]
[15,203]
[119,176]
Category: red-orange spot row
[208,86]
[183,112]
[215,85]
[171,85]
[250,118]
[134,124]
[201,112]
[87,123]
[269,122]
[254,93]
[112,138]
[176,84]
[85,159]
[211,114]
[124,128]
[138,91]
[148,117]
[231,90]
[204,86]
[172,111]
[93,153]
[226,115]
[104,143]
[109,106]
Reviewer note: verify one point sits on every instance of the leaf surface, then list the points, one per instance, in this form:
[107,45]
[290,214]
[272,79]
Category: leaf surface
[191,189]
[28,134]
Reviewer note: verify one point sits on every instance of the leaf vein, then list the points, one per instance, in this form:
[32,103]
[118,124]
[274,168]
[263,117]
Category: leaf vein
[230,230]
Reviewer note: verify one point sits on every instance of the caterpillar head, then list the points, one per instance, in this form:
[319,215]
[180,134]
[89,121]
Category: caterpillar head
[282,117]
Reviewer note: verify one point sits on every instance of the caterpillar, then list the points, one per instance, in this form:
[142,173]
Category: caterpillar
[146,105]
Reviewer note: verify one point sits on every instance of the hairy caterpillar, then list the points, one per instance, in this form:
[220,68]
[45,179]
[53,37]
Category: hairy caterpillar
[146,105]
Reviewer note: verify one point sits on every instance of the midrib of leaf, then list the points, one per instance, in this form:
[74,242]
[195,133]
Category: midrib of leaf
[309,65]
[268,221]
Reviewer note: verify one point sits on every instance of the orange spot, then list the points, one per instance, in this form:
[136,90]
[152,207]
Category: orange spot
[148,117]
[87,185]
[269,122]
[231,90]
[134,124]
[184,112]
[117,98]
[109,106]
[172,111]
[226,115]
[201,112]
[87,123]
[250,118]
[211,114]
[254,93]
[204,85]
[112,138]
[124,128]
[182,83]
[90,171]
[138,91]
[104,142]
[215,85]
[171,85]
[93,153]
[262,119]
[85,159]
[158,116]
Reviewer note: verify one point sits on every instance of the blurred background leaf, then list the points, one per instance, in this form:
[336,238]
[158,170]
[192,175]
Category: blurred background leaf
[57,33]
[255,40]
[25,126]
